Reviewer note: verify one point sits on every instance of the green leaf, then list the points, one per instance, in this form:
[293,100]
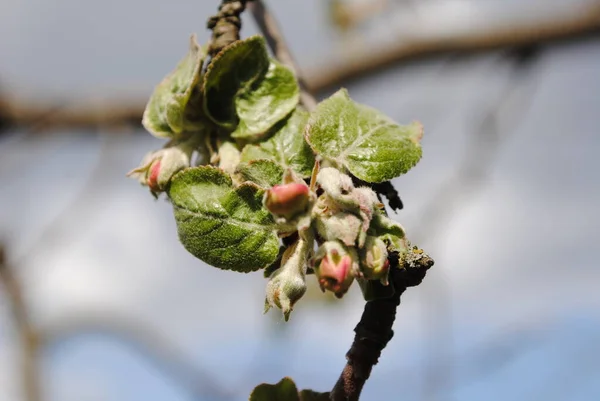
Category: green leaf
[231,72]
[266,102]
[389,231]
[225,227]
[310,395]
[265,173]
[286,147]
[285,390]
[171,108]
[246,91]
[369,144]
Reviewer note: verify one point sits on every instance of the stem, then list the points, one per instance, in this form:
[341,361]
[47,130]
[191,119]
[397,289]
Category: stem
[270,30]
[27,334]
[225,25]
[374,330]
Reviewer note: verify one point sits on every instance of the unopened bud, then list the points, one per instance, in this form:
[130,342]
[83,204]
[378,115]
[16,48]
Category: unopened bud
[157,168]
[287,200]
[287,284]
[342,226]
[335,267]
[374,260]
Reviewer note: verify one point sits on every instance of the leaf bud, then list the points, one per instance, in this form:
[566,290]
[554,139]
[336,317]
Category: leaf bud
[374,260]
[287,284]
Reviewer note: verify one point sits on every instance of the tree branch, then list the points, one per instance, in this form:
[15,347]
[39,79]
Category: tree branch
[581,23]
[269,28]
[26,332]
[225,25]
[374,330]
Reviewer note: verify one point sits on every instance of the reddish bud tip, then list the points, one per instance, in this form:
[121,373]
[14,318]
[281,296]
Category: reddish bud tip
[287,199]
[153,176]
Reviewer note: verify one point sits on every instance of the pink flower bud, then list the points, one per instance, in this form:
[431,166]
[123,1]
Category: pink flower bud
[157,168]
[287,200]
[152,180]
[335,267]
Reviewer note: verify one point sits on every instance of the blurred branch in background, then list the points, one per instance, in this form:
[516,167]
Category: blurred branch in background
[35,341]
[363,60]
[28,336]
[148,343]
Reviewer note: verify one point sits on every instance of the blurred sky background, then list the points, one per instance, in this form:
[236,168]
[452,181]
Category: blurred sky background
[505,200]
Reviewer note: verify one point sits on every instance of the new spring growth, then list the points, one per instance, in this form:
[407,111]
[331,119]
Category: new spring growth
[158,167]
[374,260]
[287,284]
[287,200]
[340,196]
[335,266]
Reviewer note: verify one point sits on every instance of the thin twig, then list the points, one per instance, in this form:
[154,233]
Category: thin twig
[225,25]
[581,21]
[28,335]
[338,70]
[374,330]
[269,28]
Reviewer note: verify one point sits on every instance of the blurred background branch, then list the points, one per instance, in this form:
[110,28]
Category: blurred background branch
[341,67]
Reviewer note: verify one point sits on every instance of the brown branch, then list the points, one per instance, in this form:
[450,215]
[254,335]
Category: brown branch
[26,332]
[581,23]
[225,25]
[15,113]
[269,28]
[361,61]
[374,330]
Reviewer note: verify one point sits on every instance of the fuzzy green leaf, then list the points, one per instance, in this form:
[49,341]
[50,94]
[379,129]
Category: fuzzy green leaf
[265,173]
[172,106]
[369,144]
[247,92]
[390,232]
[310,395]
[231,72]
[269,100]
[225,227]
[285,390]
[286,147]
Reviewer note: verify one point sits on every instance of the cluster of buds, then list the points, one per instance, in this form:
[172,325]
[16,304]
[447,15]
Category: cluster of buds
[158,167]
[353,234]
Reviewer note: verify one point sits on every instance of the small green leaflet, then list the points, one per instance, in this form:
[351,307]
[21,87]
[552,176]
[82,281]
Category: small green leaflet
[263,172]
[247,92]
[268,101]
[170,108]
[389,231]
[367,143]
[224,226]
[286,147]
[285,390]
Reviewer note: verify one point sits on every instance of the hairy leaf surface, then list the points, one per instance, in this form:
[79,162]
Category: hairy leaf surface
[286,147]
[269,100]
[369,144]
[170,109]
[225,227]
[246,91]
[263,172]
